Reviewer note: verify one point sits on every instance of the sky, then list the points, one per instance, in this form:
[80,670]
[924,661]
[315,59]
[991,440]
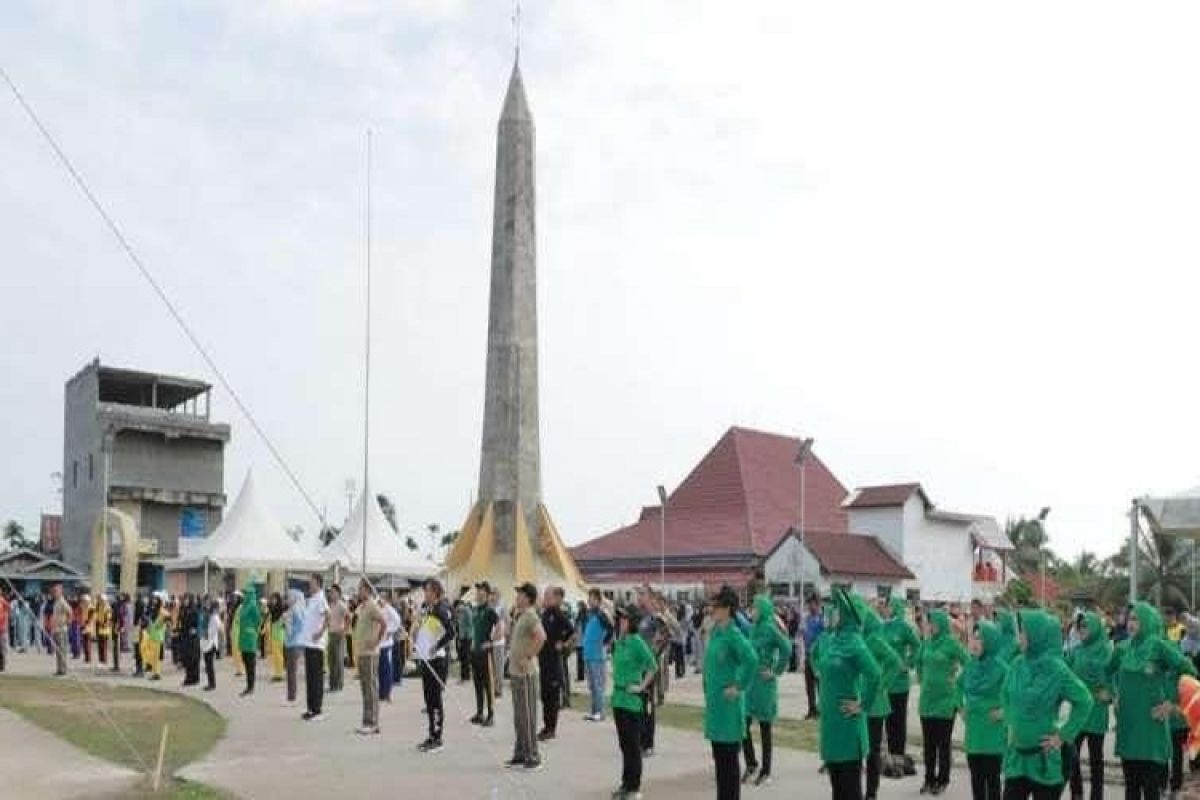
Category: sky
[954,242]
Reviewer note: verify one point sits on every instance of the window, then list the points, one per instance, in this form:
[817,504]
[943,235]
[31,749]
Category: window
[91,469]
[74,474]
[781,589]
[883,591]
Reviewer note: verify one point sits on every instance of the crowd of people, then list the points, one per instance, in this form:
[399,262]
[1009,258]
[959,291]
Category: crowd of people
[1008,674]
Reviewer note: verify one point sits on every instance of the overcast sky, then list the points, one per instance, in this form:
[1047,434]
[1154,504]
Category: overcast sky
[956,243]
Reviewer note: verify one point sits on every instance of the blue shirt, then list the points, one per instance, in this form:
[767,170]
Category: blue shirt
[594,632]
[813,627]
[295,627]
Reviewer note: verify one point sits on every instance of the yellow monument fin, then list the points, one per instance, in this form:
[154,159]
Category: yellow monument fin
[479,564]
[465,543]
[554,550]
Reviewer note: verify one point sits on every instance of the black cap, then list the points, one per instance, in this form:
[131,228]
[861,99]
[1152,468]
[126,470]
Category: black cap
[487,587]
[529,590]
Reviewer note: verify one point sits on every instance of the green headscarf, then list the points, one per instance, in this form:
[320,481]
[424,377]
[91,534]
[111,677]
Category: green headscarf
[898,606]
[1037,685]
[986,670]
[1143,647]
[871,623]
[766,611]
[940,621]
[1092,657]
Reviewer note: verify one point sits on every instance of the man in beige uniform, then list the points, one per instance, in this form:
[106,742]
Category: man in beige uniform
[339,621]
[368,630]
[60,621]
[525,641]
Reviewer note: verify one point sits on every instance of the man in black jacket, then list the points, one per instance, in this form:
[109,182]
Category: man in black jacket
[559,632]
[434,634]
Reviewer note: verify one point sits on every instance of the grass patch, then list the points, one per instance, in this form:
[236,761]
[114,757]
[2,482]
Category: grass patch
[797,734]
[68,710]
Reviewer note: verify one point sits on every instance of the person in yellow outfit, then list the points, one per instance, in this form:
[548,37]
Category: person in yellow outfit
[152,640]
[87,625]
[103,627]
[277,635]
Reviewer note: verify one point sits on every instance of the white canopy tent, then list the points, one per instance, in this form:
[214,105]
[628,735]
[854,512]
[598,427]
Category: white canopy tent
[386,552]
[1173,515]
[249,537]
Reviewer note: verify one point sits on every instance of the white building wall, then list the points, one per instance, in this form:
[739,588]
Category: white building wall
[940,556]
[791,560]
[885,524]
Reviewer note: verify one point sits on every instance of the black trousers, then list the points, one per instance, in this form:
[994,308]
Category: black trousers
[1143,780]
[648,721]
[564,683]
[810,686]
[314,678]
[936,733]
[191,659]
[985,776]
[764,732]
[580,673]
[729,780]
[629,730]
[433,679]
[116,650]
[845,780]
[210,671]
[1095,748]
[481,674]
[1024,789]
[874,744]
[551,683]
[677,657]
[248,659]
[897,723]
[1178,739]
[464,659]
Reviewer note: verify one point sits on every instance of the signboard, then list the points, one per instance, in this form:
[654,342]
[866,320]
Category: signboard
[193,522]
[51,533]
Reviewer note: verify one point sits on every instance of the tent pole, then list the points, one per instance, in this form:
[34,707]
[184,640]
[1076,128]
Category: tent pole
[206,574]
[1133,552]
[367,371]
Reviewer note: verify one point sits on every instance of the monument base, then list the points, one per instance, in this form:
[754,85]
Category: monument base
[536,556]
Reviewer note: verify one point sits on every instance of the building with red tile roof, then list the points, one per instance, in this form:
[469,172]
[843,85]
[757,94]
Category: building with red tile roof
[723,520]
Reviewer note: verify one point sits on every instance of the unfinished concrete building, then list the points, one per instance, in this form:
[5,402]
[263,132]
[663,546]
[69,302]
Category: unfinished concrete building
[143,444]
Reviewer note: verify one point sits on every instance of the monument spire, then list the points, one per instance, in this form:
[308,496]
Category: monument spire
[509,536]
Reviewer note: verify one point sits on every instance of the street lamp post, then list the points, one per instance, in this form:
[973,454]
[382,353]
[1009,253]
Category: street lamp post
[1041,523]
[662,540]
[801,460]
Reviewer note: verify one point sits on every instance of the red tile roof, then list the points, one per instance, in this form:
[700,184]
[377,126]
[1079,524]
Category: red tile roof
[740,499]
[854,554]
[896,494]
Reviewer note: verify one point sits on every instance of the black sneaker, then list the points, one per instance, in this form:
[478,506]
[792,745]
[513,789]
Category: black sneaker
[307,715]
[751,771]
[764,779]
[488,721]
[926,788]
[426,745]
[532,764]
[476,720]
[545,735]
[514,762]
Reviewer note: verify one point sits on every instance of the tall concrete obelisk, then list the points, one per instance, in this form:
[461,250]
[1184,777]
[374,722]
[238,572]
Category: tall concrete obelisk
[509,537]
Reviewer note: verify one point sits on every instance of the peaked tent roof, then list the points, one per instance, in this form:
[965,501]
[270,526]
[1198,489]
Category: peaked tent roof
[386,553]
[249,537]
[740,499]
[1176,515]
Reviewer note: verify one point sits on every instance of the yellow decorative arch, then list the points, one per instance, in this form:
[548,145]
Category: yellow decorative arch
[126,528]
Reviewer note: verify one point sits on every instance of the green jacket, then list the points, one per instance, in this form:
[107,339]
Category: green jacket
[899,633]
[847,671]
[632,659]
[729,660]
[981,685]
[938,664]
[773,649]
[249,618]
[1142,665]
[1007,623]
[889,662]
[1038,683]
[1090,662]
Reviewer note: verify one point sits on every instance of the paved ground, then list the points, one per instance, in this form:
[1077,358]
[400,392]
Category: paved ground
[37,764]
[269,752]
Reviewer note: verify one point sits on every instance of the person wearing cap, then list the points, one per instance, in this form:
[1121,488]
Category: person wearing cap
[634,667]
[434,633]
[551,664]
[526,642]
[369,630]
[484,623]
[849,677]
[729,666]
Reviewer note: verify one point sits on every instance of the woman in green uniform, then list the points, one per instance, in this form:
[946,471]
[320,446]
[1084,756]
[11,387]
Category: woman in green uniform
[729,665]
[773,649]
[1006,621]
[982,686]
[634,667]
[941,658]
[1144,702]
[1090,662]
[903,639]
[879,707]
[848,676]
[1039,682]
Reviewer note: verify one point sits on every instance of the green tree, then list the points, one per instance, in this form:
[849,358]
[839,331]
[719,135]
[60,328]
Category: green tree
[14,536]
[389,510]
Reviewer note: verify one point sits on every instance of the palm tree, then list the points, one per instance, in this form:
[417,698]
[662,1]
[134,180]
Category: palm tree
[1164,571]
[14,535]
[1028,537]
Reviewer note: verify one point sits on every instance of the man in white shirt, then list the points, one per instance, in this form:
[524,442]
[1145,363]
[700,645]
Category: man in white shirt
[391,620]
[314,635]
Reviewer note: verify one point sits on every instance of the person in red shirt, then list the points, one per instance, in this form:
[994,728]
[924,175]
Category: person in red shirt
[4,610]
